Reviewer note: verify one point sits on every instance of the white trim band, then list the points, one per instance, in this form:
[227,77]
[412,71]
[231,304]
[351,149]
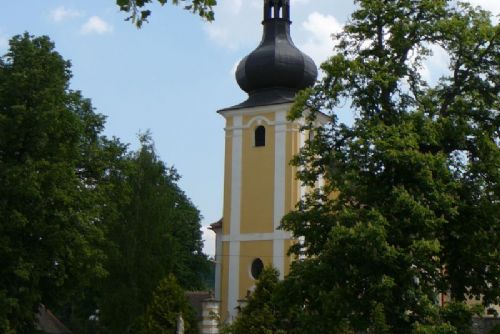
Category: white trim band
[277,235]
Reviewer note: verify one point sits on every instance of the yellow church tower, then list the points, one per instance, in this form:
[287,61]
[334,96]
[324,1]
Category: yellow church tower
[260,186]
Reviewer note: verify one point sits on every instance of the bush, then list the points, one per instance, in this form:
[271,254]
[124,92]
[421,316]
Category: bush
[495,330]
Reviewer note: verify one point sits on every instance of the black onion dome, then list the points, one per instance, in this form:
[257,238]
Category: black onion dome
[276,70]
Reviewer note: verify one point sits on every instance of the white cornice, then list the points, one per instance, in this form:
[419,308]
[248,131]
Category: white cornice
[256,110]
[321,118]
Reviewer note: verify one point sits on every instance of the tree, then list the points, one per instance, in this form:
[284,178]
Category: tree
[52,158]
[139,15]
[261,313]
[154,231]
[410,207]
[168,303]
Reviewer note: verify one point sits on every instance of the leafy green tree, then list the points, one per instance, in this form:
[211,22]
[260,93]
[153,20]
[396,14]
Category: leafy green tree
[261,313]
[52,159]
[169,301]
[139,14]
[154,231]
[81,312]
[410,206]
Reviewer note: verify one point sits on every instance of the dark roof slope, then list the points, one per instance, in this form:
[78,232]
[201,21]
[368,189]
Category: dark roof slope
[196,299]
[48,322]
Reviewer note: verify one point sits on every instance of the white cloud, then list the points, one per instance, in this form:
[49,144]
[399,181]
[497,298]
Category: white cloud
[436,65]
[235,6]
[208,237]
[300,2]
[221,36]
[257,4]
[61,13]
[232,72]
[96,25]
[319,42]
[235,23]
[491,5]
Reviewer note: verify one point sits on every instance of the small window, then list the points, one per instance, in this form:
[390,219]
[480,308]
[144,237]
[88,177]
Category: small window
[256,269]
[311,135]
[260,136]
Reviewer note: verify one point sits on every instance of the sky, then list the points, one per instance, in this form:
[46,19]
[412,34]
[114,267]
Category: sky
[171,76]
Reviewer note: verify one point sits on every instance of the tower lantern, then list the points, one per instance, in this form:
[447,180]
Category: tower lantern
[277,9]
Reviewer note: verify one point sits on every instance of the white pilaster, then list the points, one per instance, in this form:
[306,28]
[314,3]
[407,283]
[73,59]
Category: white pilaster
[279,188]
[234,246]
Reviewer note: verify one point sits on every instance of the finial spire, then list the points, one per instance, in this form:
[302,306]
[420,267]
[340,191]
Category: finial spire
[277,9]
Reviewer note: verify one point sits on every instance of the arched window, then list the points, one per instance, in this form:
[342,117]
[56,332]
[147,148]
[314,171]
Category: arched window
[260,136]
[256,268]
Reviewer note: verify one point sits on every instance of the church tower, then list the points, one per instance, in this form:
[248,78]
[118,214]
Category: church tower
[260,186]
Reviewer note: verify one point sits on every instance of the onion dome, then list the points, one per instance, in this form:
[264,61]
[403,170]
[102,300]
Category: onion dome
[276,70]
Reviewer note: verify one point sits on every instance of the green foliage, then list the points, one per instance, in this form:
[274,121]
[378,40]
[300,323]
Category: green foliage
[460,315]
[260,315]
[411,202]
[434,329]
[167,303]
[495,330]
[155,231]
[52,158]
[139,15]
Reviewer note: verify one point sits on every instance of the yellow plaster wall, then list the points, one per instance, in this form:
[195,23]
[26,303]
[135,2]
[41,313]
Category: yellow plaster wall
[250,250]
[257,196]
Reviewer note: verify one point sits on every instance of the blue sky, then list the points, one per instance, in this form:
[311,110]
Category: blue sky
[174,74]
